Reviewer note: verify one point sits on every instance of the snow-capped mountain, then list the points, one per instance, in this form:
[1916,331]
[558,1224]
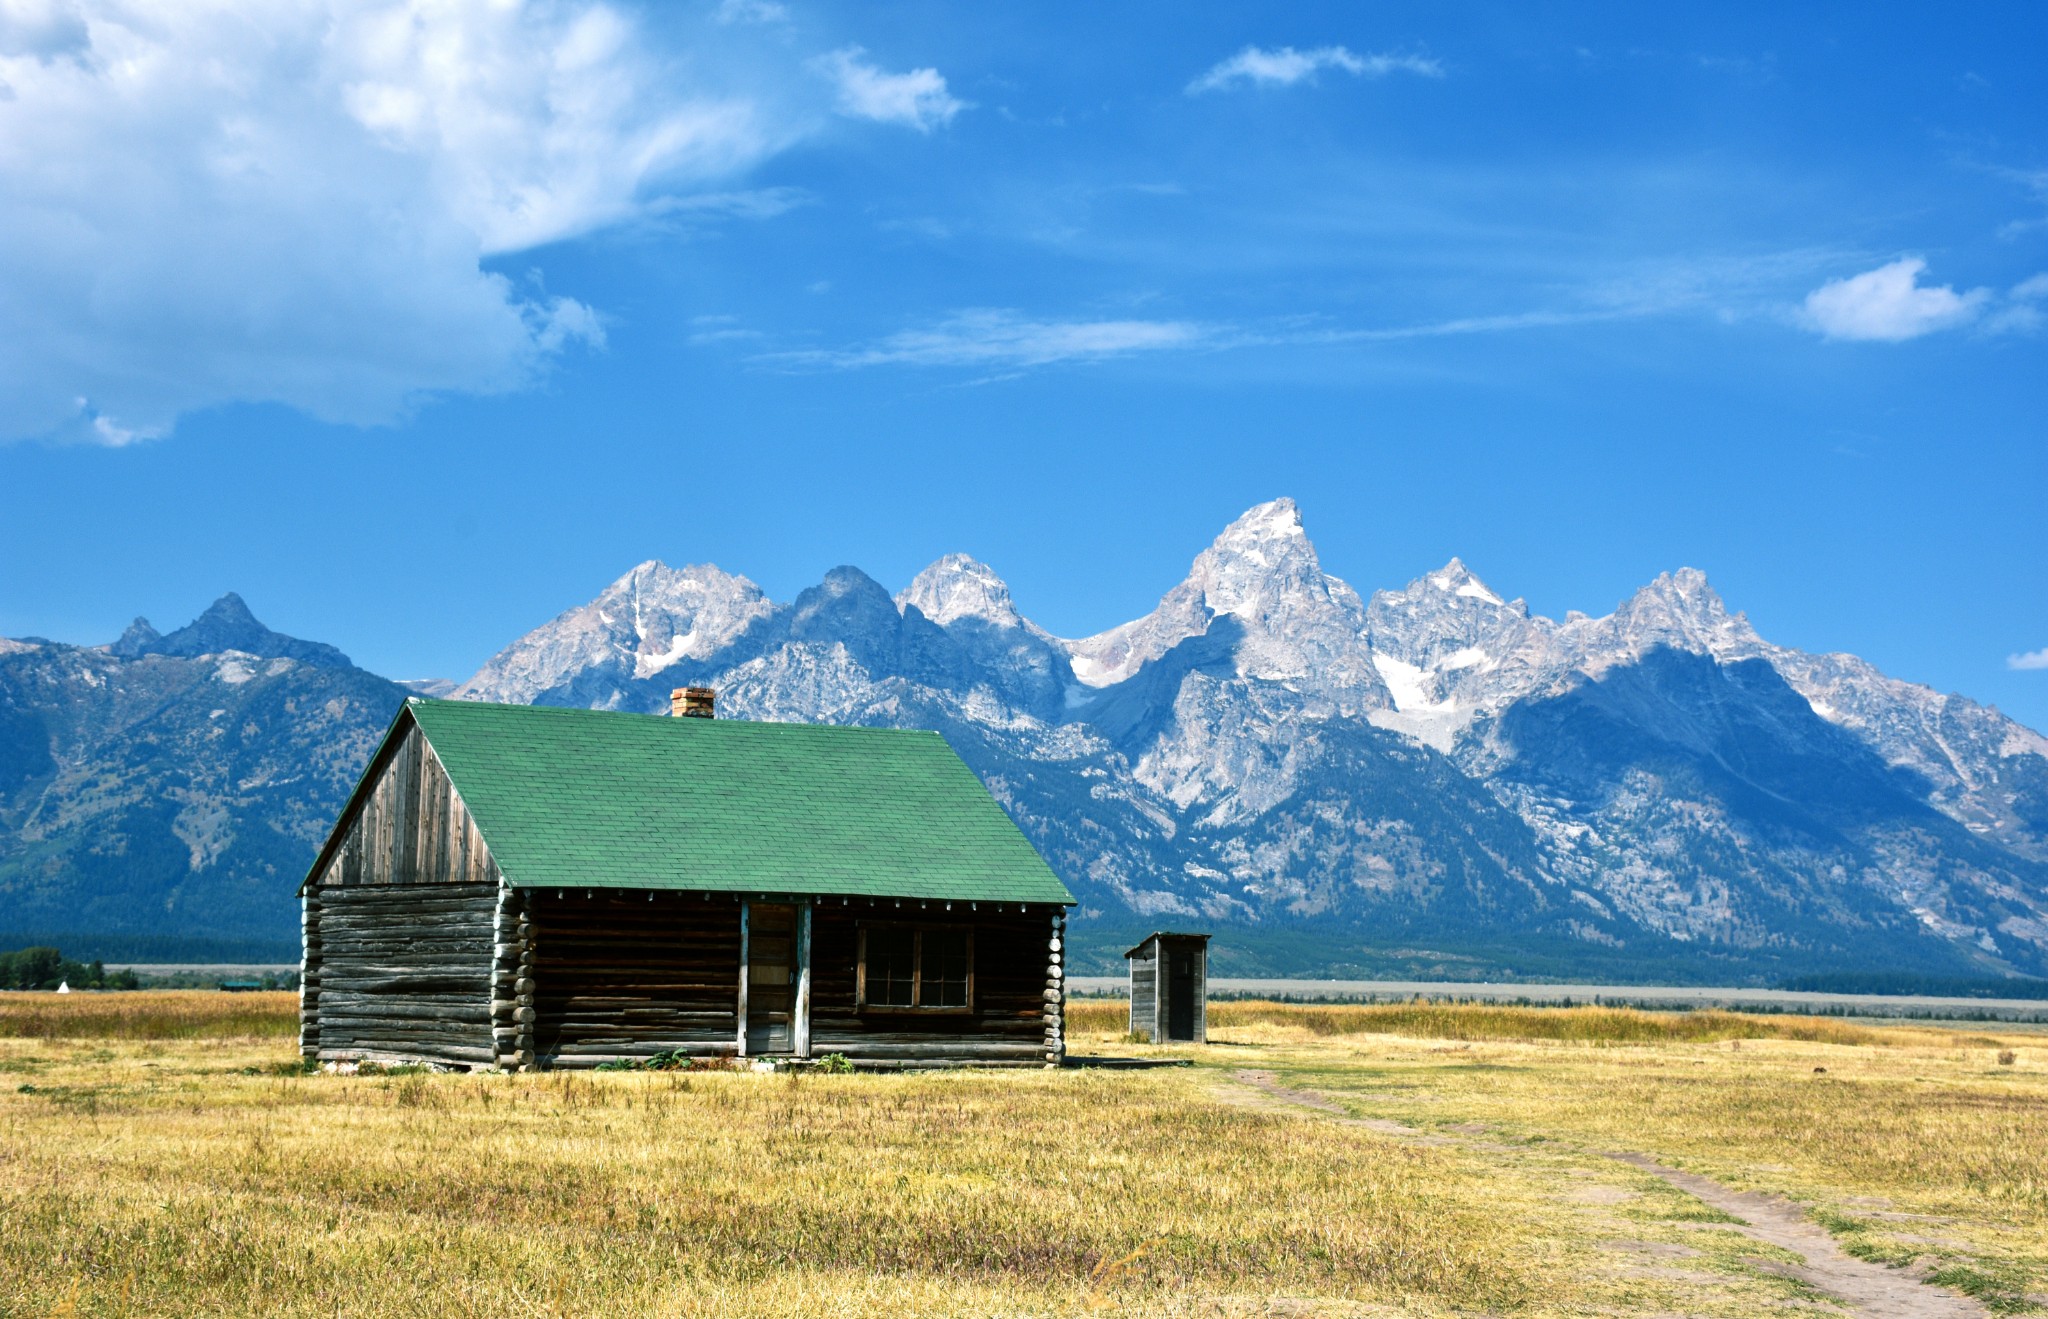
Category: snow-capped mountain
[1294,624]
[1432,778]
[655,620]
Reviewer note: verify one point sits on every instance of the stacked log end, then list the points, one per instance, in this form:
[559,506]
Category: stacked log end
[1056,993]
[309,974]
[512,999]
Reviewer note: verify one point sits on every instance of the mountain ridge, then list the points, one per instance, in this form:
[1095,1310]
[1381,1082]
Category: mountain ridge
[1215,716]
[1427,780]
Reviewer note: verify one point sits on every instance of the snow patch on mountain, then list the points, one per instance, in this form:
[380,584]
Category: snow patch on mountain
[645,623]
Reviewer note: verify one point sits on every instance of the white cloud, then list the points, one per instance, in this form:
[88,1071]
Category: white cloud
[1006,339]
[1890,304]
[1286,66]
[917,99]
[290,200]
[2033,659]
[42,28]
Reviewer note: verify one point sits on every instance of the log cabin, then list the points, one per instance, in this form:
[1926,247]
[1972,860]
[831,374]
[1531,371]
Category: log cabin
[528,887]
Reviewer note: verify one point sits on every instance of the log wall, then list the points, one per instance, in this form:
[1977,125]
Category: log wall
[1017,993]
[625,973]
[400,972]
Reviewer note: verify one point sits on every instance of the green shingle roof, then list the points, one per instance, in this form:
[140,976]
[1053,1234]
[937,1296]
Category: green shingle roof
[591,798]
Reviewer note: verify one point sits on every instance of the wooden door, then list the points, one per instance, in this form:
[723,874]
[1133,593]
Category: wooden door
[1180,994]
[771,978]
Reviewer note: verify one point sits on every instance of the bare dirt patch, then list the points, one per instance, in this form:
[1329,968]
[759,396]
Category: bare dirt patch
[1871,1290]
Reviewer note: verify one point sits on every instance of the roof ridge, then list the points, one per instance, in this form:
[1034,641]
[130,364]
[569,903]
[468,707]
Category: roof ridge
[431,702]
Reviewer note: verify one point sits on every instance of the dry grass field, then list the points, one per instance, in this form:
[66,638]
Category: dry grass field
[163,1154]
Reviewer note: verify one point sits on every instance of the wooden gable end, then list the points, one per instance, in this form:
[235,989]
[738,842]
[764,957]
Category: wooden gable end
[407,824]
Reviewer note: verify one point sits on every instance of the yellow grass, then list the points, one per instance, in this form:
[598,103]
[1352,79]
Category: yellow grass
[172,1180]
[151,1014]
[196,1175]
[1440,1020]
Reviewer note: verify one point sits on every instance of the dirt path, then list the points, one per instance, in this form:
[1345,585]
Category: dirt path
[1267,1083]
[1867,1290]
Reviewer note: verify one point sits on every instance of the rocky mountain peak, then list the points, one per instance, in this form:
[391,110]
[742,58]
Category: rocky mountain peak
[1681,610]
[847,600]
[136,640]
[231,610]
[1276,520]
[1296,623]
[226,625]
[1441,614]
[1263,554]
[958,586]
[646,622]
[1456,579]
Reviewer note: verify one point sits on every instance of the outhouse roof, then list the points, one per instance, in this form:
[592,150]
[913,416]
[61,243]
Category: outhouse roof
[599,799]
[1162,935]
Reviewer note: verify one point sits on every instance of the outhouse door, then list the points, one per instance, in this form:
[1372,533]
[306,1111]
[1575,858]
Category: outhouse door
[777,998]
[1180,993]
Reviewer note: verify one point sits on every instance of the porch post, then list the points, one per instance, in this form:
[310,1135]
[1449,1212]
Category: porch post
[742,1035]
[800,1011]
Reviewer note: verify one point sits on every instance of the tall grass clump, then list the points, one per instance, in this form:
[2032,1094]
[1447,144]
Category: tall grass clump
[1475,1022]
[157,1014]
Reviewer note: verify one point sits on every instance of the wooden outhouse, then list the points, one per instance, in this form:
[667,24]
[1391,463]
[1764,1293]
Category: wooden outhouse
[1170,988]
[524,886]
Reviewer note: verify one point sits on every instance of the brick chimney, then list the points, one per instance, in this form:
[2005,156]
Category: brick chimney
[691,702]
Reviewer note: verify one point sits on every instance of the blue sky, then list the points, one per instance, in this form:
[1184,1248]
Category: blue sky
[418,324]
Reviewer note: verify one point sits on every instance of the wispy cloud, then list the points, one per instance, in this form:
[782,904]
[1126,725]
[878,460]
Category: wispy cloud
[2021,312]
[2035,181]
[748,204]
[917,99]
[1726,289]
[1506,323]
[2033,659]
[750,11]
[989,338]
[1258,67]
[1890,304]
[1009,339]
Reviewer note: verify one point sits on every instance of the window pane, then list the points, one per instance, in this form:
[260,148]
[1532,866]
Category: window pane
[890,967]
[945,969]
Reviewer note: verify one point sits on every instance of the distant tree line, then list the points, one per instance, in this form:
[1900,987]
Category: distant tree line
[1904,982]
[46,968]
[196,978]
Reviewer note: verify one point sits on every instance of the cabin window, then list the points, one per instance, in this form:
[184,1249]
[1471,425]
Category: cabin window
[916,968]
[891,965]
